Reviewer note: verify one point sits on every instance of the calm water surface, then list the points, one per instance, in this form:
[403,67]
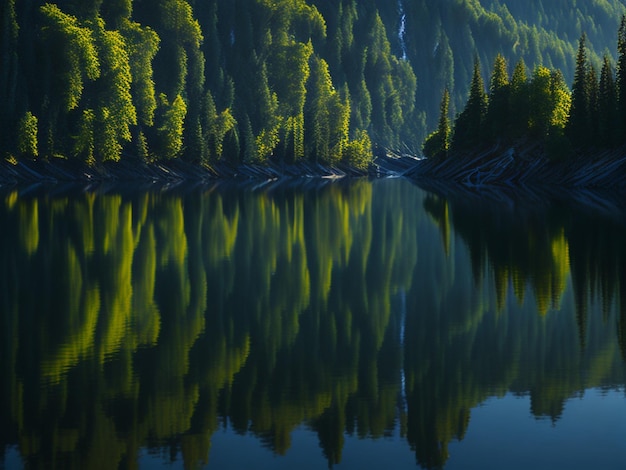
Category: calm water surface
[352,325]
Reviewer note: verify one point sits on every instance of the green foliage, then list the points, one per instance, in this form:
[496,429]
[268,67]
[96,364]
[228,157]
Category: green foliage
[293,16]
[27,143]
[437,144]
[170,129]
[581,117]
[177,18]
[607,105]
[116,12]
[267,117]
[358,151]
[91,71]
[469,126]
[216,126]
[497,115]
[142,44]
[442,37]
[327,117]
[549,102]
[519,102]
[73,51]
[621,80]
[84,145]
[115,112]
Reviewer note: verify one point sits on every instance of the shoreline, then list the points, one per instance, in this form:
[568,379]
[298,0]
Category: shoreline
[55,171]
[523,167]
[511,167]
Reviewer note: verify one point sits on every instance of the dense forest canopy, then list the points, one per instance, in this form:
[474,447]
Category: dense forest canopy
[247,80]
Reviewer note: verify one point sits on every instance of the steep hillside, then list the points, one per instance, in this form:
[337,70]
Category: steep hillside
[248,80]
[441,39]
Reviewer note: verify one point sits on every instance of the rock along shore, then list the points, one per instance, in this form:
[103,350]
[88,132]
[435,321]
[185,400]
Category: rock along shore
[59,171]
[525,165]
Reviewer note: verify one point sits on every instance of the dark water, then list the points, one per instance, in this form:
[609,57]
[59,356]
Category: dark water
[362,325]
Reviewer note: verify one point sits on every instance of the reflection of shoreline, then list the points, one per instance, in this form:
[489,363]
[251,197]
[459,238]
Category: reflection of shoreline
[610,203]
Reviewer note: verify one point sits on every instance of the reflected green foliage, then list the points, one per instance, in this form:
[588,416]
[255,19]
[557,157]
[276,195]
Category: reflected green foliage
[357,309]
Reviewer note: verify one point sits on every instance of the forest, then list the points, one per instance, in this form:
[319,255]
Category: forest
[541,107]
[248,80]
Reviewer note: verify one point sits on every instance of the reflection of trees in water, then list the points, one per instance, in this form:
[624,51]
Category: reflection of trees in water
[479,333]
[168,313]
[160,317]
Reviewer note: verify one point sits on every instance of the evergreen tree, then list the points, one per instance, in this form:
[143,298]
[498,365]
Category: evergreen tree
[607,105]
[519,101]
[437,144]
[580,116]
[469,125]
[549,103]
[27,143]
[620,81]
[171,126]
[91,71]
[593,87]
[497,117]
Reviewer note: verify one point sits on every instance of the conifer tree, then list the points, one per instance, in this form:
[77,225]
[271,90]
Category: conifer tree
[593,88]
[27,143]
[496,120]
[519,101]
[437,144]
[621,81]
[607,108]
[469,126]
[580,119]
[550,102]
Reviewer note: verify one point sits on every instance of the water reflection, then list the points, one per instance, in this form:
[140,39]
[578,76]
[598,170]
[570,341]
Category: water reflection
[153,320]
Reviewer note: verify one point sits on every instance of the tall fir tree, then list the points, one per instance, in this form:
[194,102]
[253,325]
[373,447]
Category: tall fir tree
[621,81]
[469,129]
[437,144]
[519,101]
[578,124]
[607,106]
[496,119]
[593,88]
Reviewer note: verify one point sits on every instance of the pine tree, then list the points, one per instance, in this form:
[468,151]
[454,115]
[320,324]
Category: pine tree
[469,126]
[27,143]
[579,120]
[594,105]
[607,108]
[437,144]
[621,81]
[496,120]
[519,101]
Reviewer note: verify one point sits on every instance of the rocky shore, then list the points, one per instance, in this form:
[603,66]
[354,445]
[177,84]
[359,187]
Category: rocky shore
[60,171]
[523,176]
[520,168]
[526,165]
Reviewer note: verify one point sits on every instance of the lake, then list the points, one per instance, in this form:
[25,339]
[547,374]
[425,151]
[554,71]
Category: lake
[352,325]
